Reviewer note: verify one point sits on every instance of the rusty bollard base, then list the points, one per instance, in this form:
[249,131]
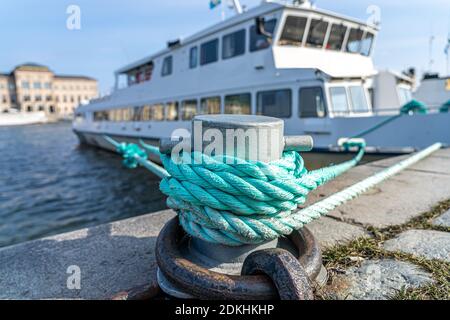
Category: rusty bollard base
[287,268]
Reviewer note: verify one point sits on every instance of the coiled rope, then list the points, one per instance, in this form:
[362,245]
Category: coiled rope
[248,202]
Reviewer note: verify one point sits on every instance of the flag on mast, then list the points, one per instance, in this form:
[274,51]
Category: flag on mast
[214,3]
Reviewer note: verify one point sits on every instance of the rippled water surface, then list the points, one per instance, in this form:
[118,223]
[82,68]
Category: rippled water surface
[50,184]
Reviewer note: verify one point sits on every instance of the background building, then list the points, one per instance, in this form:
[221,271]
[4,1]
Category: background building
[32,87]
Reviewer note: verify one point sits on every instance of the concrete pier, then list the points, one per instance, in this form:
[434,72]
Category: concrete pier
[117,260]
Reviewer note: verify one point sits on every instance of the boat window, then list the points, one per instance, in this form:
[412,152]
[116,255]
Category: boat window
[172,111]
[193,57]
[337,36]
[238,104]
[233,44]
[260,41]
[98,115]
[148,72]
[358,98]
[311,103]
[127,114]
[210,105]
[293,31]
[146,113]
[167,66]
[366,44]
[137,113]
[188,109]
[115,115]
[317,31]
[354,41]
[339,100]
[276,103]
[157,112]
[209,52]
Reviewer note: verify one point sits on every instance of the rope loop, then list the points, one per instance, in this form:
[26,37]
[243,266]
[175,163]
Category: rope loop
[231,201]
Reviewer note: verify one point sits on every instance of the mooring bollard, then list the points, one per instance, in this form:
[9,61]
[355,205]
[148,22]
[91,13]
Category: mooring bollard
[286,268]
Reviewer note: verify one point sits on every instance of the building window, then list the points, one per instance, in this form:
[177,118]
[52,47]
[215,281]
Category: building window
[49,98]
[337,36]
[354,41]
[210,105]
[172,111]
[72,99]
[41,108]
[358,98]
[276,103]
[238,104]
[317,31]
[233,44]
[65,98]
[25,85]
[293,31]
[167,66]
[193,57]
[51,109]
[339,100]
[47,85]
[26,98]
[188,109]
[209,52]
[38,98]
[260,41]
[311,103]
[29,109]
[37,85]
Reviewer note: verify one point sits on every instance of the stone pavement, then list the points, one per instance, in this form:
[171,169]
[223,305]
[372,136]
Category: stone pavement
[118,258]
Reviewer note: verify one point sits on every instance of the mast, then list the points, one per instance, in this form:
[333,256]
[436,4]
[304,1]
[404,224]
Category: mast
[237,6]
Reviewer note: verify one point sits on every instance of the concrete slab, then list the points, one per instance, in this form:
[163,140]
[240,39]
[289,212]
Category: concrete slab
[330,232]
[112,258]
[378,280]
[443,220]
[428,244]
[393,202]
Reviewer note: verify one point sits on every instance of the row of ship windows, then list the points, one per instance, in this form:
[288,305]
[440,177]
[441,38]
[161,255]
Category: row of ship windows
[324,34]
[48,85]
[274,103]
[233,45]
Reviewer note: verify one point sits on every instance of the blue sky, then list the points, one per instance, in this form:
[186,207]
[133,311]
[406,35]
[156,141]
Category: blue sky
[116,32]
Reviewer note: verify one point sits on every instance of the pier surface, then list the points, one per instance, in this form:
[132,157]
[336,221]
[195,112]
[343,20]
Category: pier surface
[117,260]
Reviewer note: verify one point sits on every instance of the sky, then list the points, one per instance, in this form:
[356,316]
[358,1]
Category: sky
[115,33]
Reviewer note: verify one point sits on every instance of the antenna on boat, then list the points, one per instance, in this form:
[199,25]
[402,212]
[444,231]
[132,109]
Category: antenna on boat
[237,6]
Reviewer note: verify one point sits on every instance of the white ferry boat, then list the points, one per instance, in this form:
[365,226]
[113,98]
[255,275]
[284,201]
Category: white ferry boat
[310,67]
[15,118]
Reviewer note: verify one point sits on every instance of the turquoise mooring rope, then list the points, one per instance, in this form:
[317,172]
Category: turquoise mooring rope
[242,202]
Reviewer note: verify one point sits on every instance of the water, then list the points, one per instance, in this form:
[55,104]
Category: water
[49,184]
